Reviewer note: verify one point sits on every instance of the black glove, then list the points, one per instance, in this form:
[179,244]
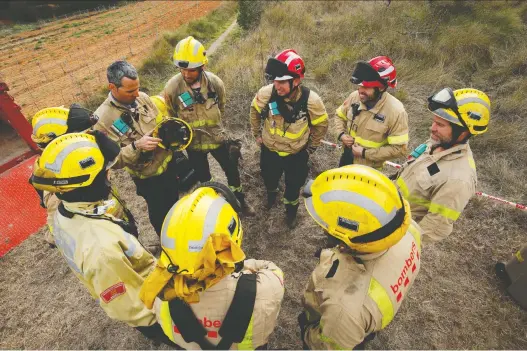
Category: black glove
[156,334]
[303,323]
[311,149]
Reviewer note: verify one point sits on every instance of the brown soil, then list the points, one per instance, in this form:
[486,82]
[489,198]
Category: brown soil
[65,61]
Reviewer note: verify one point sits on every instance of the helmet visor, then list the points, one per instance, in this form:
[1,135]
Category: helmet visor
[364,74]
[277,70]
[445,99]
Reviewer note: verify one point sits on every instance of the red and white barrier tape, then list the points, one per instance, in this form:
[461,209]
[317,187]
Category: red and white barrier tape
[479,193]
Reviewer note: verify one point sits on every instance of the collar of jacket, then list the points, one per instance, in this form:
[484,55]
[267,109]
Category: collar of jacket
[375,109]
[452,153]
[98,208]
[115,101]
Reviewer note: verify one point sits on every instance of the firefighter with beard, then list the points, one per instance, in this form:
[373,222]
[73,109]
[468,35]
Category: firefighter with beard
[439,177]
[197,96]
[371,123]
[294,122]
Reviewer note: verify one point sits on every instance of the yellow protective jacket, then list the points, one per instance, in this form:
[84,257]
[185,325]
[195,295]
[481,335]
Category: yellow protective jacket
[288,138]
[382,130]
[204,119]
[438,187]
[110,262]
[216,300]
[349,297]
[142,164]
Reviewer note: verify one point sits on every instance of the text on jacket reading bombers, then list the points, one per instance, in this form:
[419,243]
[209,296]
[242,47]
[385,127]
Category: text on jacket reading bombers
[408,263]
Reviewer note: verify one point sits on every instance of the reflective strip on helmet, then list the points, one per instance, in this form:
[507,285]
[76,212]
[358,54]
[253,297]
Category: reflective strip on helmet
[197,45]
[431,206]
[378,294]
[166,241]
[445,115]
[367,143]
[416,234]
[398,139]
[256,107]
[288,135]
[56,166]
[341,114]
[203,123]
[314,214]
[247,342]
[382,216]
[477,100]
[288,202]
[320,119]
[42,122]
[209,225]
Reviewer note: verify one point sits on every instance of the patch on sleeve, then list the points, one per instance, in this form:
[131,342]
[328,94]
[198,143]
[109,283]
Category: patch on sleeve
[433,169]
[113,291]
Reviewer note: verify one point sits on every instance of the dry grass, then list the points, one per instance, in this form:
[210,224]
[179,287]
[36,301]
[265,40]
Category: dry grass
[456,302]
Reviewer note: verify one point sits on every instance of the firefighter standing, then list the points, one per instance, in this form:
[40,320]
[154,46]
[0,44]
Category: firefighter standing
[294,121]
[101,250]
[198,97]
[359,284]
[440,176]
[213,298]
[128,116]
[50,123]
[371,123]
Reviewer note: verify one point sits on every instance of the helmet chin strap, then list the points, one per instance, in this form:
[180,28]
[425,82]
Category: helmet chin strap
[292,89]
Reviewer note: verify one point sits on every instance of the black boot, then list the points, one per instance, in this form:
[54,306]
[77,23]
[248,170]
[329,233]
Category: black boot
[247,210]
[290,215]
[271,199]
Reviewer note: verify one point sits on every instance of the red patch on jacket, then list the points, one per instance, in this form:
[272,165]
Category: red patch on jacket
[113,291]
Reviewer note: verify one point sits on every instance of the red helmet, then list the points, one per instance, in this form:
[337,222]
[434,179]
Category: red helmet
[379,72]
[286,65]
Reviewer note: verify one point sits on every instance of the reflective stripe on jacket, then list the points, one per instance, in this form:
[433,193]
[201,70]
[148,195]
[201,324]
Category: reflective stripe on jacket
[349,297]
[215,301]
[438,187]
[140,164]
[382,130]
[288,138]
[205,119]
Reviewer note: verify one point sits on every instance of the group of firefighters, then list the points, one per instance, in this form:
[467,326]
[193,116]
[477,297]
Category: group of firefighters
[203,292]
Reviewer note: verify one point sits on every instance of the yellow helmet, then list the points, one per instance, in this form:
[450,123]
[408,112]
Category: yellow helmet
[161,105]
[48,124]
[359,206]
[175,133]
[210,208]
[469,108]
[190,53]
[73,161]
[52,122]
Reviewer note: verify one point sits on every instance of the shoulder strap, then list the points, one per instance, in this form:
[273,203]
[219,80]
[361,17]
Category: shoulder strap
[234,324]
[265,109]
[301,105]
[211,89]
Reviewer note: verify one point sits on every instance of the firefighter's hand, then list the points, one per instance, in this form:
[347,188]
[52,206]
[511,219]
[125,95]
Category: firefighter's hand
[357,150]
[259,141]
[147,143]
[347,140]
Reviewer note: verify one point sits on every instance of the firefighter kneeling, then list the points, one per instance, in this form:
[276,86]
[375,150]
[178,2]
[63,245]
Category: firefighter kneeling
[373,260]
[212,296]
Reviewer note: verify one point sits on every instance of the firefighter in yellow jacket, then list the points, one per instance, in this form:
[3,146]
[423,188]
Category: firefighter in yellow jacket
[371,123]
[53,122]
[101,250]
[211,297]
[439,177]
[360,282]
[294,121]
[130,118]
[198,97]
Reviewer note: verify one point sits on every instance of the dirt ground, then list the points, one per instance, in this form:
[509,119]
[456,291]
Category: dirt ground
[65,61]
[456,301]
